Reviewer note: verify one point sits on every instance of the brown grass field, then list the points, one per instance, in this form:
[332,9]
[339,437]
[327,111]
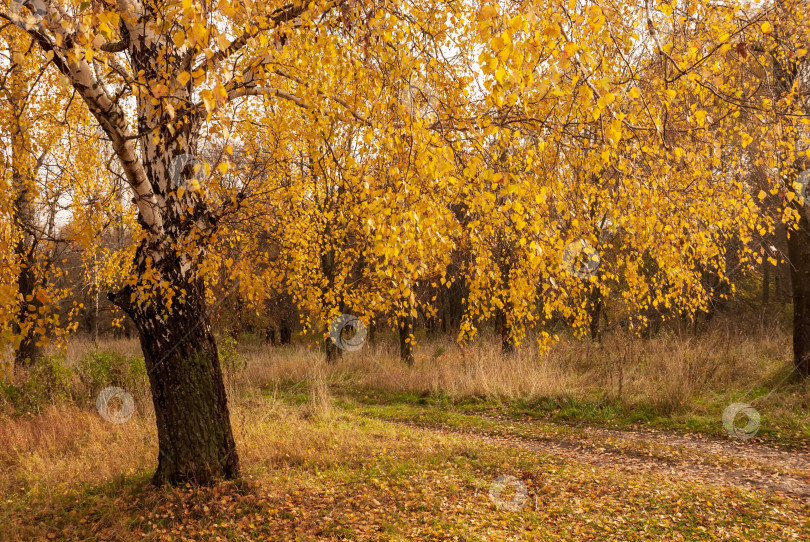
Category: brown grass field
[615,441]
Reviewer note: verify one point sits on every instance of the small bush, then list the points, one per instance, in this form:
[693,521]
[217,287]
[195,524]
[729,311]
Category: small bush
[229,358]
[100,369]
[48,381]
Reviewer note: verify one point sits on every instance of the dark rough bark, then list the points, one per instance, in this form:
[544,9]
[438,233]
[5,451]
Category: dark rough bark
[799,254]
[194,432]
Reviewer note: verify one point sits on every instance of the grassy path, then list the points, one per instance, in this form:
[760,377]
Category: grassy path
[754,467]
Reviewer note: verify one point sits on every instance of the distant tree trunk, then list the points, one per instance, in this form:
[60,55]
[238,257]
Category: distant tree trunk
[799,254]
[504,331]
[406,339]
[372,332]
[766,283]
[195,440]
[270,335]
[784,76]
[502,321]
[333,353]
[595,306]
[28,352]
[22,180]
[285,333]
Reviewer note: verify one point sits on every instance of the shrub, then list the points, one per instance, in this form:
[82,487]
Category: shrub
[49,381]
[230,359]
[100,369]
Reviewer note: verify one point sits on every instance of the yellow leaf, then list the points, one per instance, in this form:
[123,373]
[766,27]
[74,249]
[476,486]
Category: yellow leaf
[159,91]
[487,12]
[571,49]
[184,78]
[221,94]
[765,27]
[614,132]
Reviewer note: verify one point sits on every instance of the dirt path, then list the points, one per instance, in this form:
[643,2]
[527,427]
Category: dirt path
[741,464]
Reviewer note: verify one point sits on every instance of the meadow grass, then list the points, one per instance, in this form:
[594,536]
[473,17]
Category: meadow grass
[324,455]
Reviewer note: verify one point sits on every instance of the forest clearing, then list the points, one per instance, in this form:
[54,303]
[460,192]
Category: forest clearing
[404,270]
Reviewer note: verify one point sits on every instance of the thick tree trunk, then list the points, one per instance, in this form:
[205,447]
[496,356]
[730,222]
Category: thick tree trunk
[194,432]
[799,254]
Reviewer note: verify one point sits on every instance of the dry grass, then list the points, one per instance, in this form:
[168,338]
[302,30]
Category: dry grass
[667,371]
[300,444]
[64,443]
